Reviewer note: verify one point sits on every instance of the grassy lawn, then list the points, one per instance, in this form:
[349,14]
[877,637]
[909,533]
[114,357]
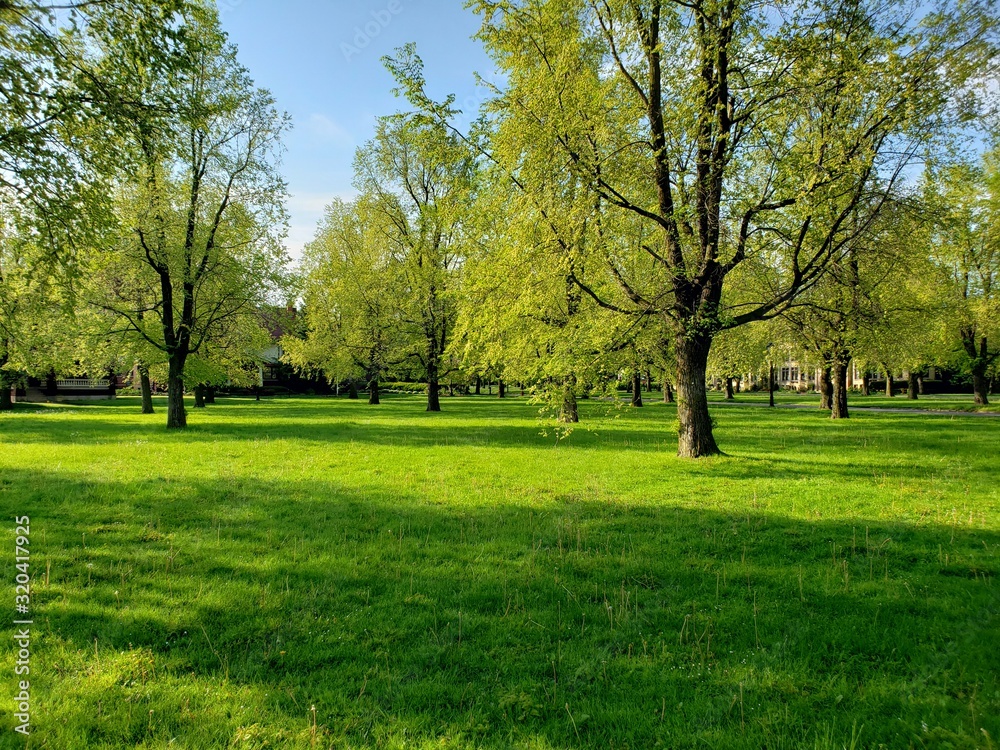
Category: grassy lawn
[309,573]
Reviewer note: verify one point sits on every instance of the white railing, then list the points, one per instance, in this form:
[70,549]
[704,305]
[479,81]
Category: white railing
[83,383]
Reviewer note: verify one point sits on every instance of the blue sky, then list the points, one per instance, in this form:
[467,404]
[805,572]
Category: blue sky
[321,60]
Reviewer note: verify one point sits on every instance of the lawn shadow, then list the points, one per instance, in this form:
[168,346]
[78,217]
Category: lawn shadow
[555,622]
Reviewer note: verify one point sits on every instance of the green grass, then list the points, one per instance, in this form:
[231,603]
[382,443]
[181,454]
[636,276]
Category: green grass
[304,573]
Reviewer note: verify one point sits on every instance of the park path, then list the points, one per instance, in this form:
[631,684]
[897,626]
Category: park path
[874,409]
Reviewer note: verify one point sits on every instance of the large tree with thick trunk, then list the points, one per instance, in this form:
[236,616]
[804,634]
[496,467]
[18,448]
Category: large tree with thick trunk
[722,139]
[201,203]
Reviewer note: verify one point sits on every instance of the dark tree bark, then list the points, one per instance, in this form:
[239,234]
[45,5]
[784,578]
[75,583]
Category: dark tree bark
[668,392]
[695,438]
[146,388]
[569,413]
[920,384]
[980,389]
[373,399]
[501,389]
[199,396]
[433,386]
[51,388]
[636,389]
[913,386]
[729,389]
[176,416]
[6,400]
[649,382]
[433,396]
[838,400]
[433,375]
[977,348]
[866,384]
[479,385]
[112,384]
[210,394]
[352,389]
[770,384]
[890,385]
[826,388]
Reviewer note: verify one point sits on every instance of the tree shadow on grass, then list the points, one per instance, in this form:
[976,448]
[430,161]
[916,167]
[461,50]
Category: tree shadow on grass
[479,422]
[218,612]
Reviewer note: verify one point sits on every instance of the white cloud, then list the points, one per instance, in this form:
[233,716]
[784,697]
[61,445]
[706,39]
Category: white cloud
[314,203]
[305,212]
[328,129]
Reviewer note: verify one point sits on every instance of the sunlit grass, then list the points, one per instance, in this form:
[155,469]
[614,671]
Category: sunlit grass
[321,573]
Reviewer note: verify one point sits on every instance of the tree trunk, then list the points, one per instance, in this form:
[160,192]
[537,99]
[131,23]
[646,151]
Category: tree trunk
[913,387]
[636,389]
[569,413]
[981,388]
[729,389]
[649,382]
[770,384]
[978,350]
[890,386]
[210,394]
[6,401]
[373,392]
[838,399]
[668,392]
[920,385]
[176,416]
[866,384]
[695,437]
[145,388]
[501,389]
[199,396]
[433,396]
[51,387]
[479,385]
[433,387]
[352,389]
[826,388]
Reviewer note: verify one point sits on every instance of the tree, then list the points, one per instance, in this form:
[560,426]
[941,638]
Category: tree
[863,295]
[50,176]
[965,250]
[354,290]
[419,178]
[739,352]
[521,315]
[738,138]
[199,222]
